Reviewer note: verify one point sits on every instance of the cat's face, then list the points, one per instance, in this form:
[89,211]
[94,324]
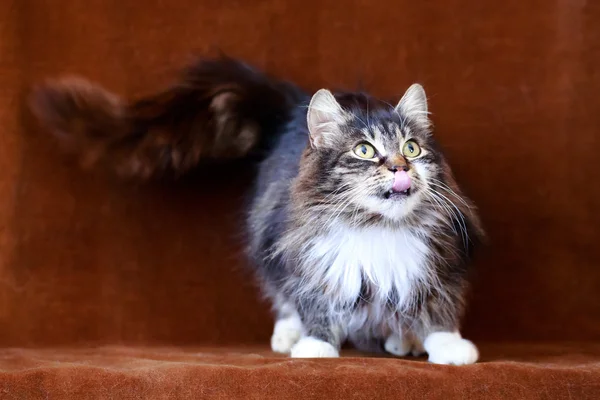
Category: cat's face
[380,161]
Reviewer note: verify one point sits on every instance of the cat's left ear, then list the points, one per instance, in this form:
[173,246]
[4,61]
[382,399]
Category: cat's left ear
[413,105]
[324,117]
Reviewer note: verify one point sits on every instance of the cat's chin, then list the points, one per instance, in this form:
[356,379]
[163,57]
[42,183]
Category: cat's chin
[395,206]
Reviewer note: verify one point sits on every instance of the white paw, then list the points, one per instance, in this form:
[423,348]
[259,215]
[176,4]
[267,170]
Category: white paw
[398,345]
[310,347]
[402,345]
[450,348]
[285,334]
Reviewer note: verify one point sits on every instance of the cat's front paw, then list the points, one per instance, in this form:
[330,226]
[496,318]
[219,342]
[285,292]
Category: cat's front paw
[310,347]
[398,345]
[450,348]
[286,334]
[402,345]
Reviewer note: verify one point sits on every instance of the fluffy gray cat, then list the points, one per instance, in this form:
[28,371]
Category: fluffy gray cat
[357,230]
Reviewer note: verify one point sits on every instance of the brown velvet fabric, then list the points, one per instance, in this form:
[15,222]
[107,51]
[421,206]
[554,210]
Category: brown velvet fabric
[88,261]
[517,371]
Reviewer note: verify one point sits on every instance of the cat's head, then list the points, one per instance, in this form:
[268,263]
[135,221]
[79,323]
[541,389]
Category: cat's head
[367,156]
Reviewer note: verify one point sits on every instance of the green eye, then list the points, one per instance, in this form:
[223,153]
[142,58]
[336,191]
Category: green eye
[411,149]
[365,151]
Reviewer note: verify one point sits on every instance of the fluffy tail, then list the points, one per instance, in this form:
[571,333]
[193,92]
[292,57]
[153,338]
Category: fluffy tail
[219,110]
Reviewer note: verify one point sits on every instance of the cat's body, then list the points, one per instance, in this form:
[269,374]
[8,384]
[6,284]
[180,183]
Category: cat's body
[356,228]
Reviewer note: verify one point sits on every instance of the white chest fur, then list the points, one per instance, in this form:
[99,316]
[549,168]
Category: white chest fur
[386,258]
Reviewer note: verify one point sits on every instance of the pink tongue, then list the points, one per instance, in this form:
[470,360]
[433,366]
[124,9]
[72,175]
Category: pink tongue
[401,181]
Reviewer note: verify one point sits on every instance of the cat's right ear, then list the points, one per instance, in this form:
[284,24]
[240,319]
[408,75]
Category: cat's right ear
[324,117]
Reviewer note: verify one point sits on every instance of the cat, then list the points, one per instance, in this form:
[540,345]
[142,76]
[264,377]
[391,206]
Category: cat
[357,230]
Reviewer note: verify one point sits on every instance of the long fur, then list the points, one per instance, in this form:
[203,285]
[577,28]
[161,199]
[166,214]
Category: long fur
[328,247]
[319,244]
[218,110]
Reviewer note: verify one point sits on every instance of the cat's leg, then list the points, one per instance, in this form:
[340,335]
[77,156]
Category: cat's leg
[403,342]
[323,335]
[441,337]
[288,327]
[398,344]
[448,347]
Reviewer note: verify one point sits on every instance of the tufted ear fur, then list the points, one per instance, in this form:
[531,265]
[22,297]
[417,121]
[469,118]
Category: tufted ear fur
[413,105]
[325,115]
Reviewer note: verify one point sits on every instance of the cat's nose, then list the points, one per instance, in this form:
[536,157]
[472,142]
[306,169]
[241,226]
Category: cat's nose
[395,168]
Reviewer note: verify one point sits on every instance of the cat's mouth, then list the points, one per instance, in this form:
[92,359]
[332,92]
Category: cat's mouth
[392,194]
[401,185]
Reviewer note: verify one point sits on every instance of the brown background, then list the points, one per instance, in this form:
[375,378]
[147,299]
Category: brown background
[514,91]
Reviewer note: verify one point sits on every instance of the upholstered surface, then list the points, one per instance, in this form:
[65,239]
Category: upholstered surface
[517,371]
[86,261]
